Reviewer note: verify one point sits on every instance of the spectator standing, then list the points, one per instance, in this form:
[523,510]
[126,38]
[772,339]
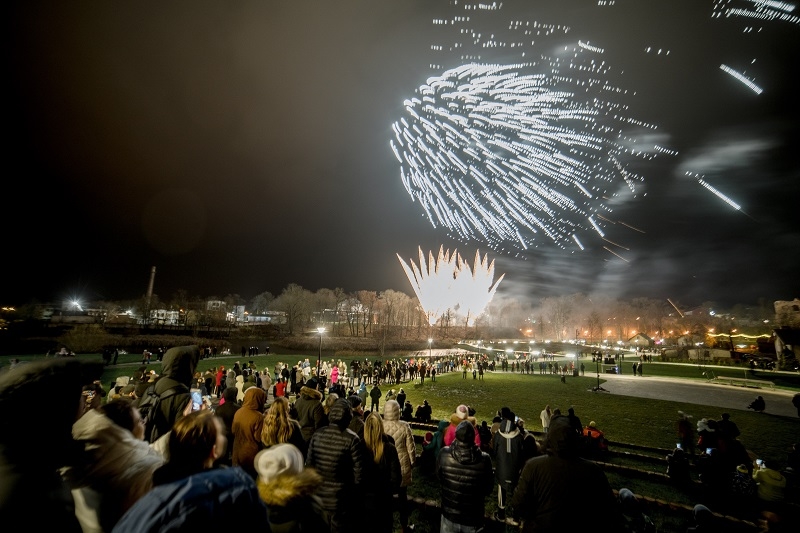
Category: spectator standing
[177,371]
[375,396]
[507,448]
[357,424]
[310,413]
[338,456]
[545,496]
[383,475]
[544,416]
[280,428]
[247,426]
[466,478]
[116,466]
[686,433]
[401,433]
[289,490]
[226,411]
[574,421]
[191,495]
[31,454]
[401,398]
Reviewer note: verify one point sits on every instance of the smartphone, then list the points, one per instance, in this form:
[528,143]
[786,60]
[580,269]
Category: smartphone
[759,462]
[679,446]
[708,451]
[197,400]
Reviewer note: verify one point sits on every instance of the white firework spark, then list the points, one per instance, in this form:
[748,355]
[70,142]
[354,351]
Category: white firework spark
[504,155]
[448,283]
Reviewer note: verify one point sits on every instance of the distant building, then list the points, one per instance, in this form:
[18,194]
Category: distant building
[640,340]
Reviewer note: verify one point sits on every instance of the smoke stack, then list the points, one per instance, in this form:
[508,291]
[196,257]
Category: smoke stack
[150,286]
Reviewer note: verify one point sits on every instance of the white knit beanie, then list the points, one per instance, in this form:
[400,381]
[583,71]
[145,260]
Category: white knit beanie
[279,459]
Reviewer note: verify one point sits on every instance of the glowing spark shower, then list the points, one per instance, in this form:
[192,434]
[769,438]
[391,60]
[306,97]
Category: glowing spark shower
[504,154]
[526,132]
[448,284]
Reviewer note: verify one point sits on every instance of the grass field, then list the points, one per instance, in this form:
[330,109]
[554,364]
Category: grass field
[637,421]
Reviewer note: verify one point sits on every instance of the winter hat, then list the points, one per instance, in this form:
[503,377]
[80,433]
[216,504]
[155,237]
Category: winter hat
[462,411]
[592,424]
[354,400]
[278,460]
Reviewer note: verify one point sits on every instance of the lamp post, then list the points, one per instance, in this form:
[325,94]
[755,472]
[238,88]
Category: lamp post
[430,347]
[319,357]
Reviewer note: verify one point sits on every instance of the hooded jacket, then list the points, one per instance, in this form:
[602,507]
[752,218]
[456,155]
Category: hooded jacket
[310,413]
[177,370]
[544,496]
[507,447]
[247,424]
[338,455]
[466,477]
[400,431]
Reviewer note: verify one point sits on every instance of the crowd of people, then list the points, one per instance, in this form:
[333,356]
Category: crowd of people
[292,460]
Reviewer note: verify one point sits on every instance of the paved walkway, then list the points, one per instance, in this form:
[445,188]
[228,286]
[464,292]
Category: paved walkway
[778,402]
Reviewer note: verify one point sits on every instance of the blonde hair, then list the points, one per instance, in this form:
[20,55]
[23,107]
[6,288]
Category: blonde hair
[277,426]
[373,436]
[329,401]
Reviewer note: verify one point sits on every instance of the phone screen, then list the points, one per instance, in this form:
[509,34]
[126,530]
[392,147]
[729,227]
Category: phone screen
[197,400]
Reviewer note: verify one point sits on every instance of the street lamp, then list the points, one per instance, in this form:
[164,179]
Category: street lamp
[430,348]
[319,357]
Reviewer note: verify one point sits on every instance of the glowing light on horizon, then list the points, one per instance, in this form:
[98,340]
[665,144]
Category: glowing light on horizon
[448,283]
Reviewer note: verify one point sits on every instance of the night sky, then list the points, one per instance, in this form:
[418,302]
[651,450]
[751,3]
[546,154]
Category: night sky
[240,147]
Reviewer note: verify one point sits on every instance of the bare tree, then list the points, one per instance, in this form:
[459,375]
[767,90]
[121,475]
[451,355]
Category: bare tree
[368,300]
[295,303]
[260,304]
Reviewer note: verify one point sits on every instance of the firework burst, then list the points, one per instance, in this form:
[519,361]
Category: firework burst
[447,283]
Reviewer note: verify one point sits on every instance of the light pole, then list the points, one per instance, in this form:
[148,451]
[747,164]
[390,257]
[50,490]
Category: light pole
[319,357]
[430,347]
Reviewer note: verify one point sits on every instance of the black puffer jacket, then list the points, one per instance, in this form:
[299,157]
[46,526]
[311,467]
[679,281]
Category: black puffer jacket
[466,477]
[338,455]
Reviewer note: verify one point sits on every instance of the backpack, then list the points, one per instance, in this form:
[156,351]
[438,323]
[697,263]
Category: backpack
[149,408]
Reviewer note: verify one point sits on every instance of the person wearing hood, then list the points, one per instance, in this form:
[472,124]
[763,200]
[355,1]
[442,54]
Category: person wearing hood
[400,431]
[338,455]
[31,454]
[362,393]
[466,478]
[177,373]
[289,490]
[771,483]
[247,425]
[544,499]
[310,411]
[509,458]
[430,451]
